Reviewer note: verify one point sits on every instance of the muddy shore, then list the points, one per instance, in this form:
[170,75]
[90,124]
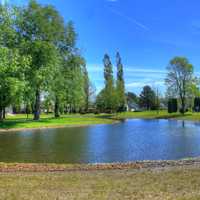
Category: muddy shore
[139,165]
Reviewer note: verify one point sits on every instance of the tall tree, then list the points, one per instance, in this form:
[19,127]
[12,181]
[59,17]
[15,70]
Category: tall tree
[87,87]
[41,29]
[148,98]
[73,71]
[120,85]
[12,69]
[179,79]
[109,90]
[12,64]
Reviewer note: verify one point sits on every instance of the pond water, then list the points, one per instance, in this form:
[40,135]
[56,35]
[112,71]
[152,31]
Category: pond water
[127,141]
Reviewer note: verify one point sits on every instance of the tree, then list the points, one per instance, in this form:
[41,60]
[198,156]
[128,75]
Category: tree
[132,98]
[41,29]
[8,33]
[148,98]
[179,78]
[13,66]
[109,90]
[87,88]
[72,92]
[120,85]
[100,101]
[12,69]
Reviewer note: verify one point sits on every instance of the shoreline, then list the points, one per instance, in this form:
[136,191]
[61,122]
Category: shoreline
[114,121]
[56,127]
[137,165]
[42,128]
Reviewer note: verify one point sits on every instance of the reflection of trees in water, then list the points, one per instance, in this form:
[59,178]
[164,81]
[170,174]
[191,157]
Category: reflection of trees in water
[183,124]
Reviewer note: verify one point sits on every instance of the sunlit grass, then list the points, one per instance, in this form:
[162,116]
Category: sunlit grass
[49,121]
[21,120]
[115,184]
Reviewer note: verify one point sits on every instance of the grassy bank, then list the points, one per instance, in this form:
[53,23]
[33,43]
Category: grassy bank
[21,122]
[173,183]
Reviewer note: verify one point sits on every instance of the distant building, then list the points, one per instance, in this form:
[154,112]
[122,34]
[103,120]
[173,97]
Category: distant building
[132,107]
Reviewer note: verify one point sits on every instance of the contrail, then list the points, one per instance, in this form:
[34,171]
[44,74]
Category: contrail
[137,23]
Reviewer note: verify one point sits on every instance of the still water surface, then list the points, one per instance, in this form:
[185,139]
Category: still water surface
[127,141]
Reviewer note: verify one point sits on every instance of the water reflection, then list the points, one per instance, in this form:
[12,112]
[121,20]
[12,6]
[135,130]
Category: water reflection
[128,141]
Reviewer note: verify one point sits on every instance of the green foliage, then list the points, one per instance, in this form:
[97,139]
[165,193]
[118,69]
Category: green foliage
[179,79]
[106,100]
[51,66]
[120,86]
[147,98]
[8,33]
[132,98]
[12,70]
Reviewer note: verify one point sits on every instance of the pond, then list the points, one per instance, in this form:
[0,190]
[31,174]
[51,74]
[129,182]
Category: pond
[130,140]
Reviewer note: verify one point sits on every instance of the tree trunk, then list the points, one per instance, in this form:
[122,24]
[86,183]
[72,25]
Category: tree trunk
[37,105]
[56,111]
[4,113]
[183,106]
[1,113]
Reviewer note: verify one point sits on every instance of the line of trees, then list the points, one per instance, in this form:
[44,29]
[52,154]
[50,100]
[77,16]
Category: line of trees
[42,67]
[40,60]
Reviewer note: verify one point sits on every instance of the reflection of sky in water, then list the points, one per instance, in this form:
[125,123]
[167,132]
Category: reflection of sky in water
[132,140]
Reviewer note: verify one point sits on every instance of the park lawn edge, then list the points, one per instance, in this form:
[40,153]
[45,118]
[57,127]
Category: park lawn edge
[52,123]
[2,130]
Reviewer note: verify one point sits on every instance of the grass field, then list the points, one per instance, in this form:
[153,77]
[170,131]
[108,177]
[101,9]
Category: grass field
[21,122]
[176,183]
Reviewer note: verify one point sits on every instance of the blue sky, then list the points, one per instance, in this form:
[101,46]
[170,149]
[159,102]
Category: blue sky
[146,33]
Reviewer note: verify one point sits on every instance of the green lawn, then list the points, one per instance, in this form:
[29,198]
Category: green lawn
[176,183]
[160,115]
[20,121]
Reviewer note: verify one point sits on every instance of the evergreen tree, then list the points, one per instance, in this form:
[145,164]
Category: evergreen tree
[120,85]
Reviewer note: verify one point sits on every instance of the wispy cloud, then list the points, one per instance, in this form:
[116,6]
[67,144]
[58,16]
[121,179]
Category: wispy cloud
[130,19]
[128,69]
[140,85]
[136,77]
